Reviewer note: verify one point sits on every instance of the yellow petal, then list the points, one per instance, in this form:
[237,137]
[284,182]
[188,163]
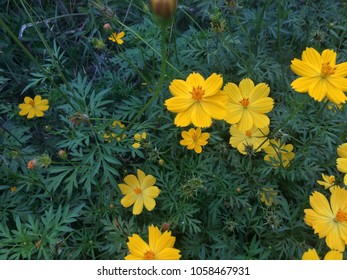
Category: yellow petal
[329,56]
[169,254]
[335,95]
[179,104]
[180,88]
[304,69]
[197,149]
[342,164]
[28,100]
[233,92]
[214,108]
[341,70]
[137,246]
[152,192]
[261,105]
[310,55]
[259,120]
[334,240]
[213,84]
[259,91]
[246,86]
[318,90]
[129,199]
[125,189]
[138,205]
[342,150]
[196,80]
[31,113]
[132,181]
[184,118]
[200,118]
[310,254]
[154,235]
[149,203]
[303,84]
[234,113]
[320,204]
[333,255]
[246,122]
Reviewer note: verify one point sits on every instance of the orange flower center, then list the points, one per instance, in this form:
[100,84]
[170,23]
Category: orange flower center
[248,133]
[341,216]
[149,255]
[197,93]
[137,191]
[332,179]
[327,70]
[244,102]
[32,103]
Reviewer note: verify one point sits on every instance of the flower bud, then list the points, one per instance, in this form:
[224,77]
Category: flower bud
[62,154]
[107,26]
[163,10]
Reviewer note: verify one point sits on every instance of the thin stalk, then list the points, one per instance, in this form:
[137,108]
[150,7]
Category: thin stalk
[161,79]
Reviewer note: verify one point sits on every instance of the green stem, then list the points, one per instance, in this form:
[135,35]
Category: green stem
[161,79]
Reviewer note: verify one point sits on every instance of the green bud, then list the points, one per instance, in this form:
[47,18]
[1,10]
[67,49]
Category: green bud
[163,10]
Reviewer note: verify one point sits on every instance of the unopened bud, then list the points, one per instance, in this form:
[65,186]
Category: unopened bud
[107,26]
[62,154]
[163,10]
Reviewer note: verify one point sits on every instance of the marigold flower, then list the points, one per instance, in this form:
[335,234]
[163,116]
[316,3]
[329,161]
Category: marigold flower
[248,104]
[33,107]
[159,247]
[341,162]
[254,139]
[320,75]
[329,220]
[139,191]
[194,139]
[197,100]
[328,181]
[311,254]
[279,154]
[117,38]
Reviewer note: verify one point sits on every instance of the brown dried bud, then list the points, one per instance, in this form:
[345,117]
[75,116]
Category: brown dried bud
[163,10]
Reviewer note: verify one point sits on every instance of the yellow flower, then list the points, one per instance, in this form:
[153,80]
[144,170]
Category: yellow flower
[311,254]
[329,220]
[197,100]
[33,107]
[109,137]
[139,191]
[159,247]
[341,162]
[139,138]
[329,181]
[117,38]
[13,189]
[320,75]
[268,196]
[251,140]
[248,104]
[279,154]
[194,139]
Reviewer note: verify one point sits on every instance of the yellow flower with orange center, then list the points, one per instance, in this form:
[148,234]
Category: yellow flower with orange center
[320,75]
[329,220]
[328,181]
[33,107]
[254,139]
[159,247]
[194,139]
[139,191]
[248,104]
[197,100]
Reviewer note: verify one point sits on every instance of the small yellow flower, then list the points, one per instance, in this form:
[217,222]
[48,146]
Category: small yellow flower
[329,181]
[159,246]
[311,254]
[279,154]
[268,196]
[33,107]
[254,139]
[111,136]
[194,139]
[341,162]
[320,75]
[13,189]
[117,38]
[139,191]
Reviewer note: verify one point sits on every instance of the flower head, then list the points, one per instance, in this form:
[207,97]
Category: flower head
[117,38]
[248,104]
[197,100]
[139,191]
[341,162]
[194,139]
[311,254]
[159,246]
[32,163]
[117,125]
[320,75]
[33,107]
[279,154]
[252,140]
[329,220]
